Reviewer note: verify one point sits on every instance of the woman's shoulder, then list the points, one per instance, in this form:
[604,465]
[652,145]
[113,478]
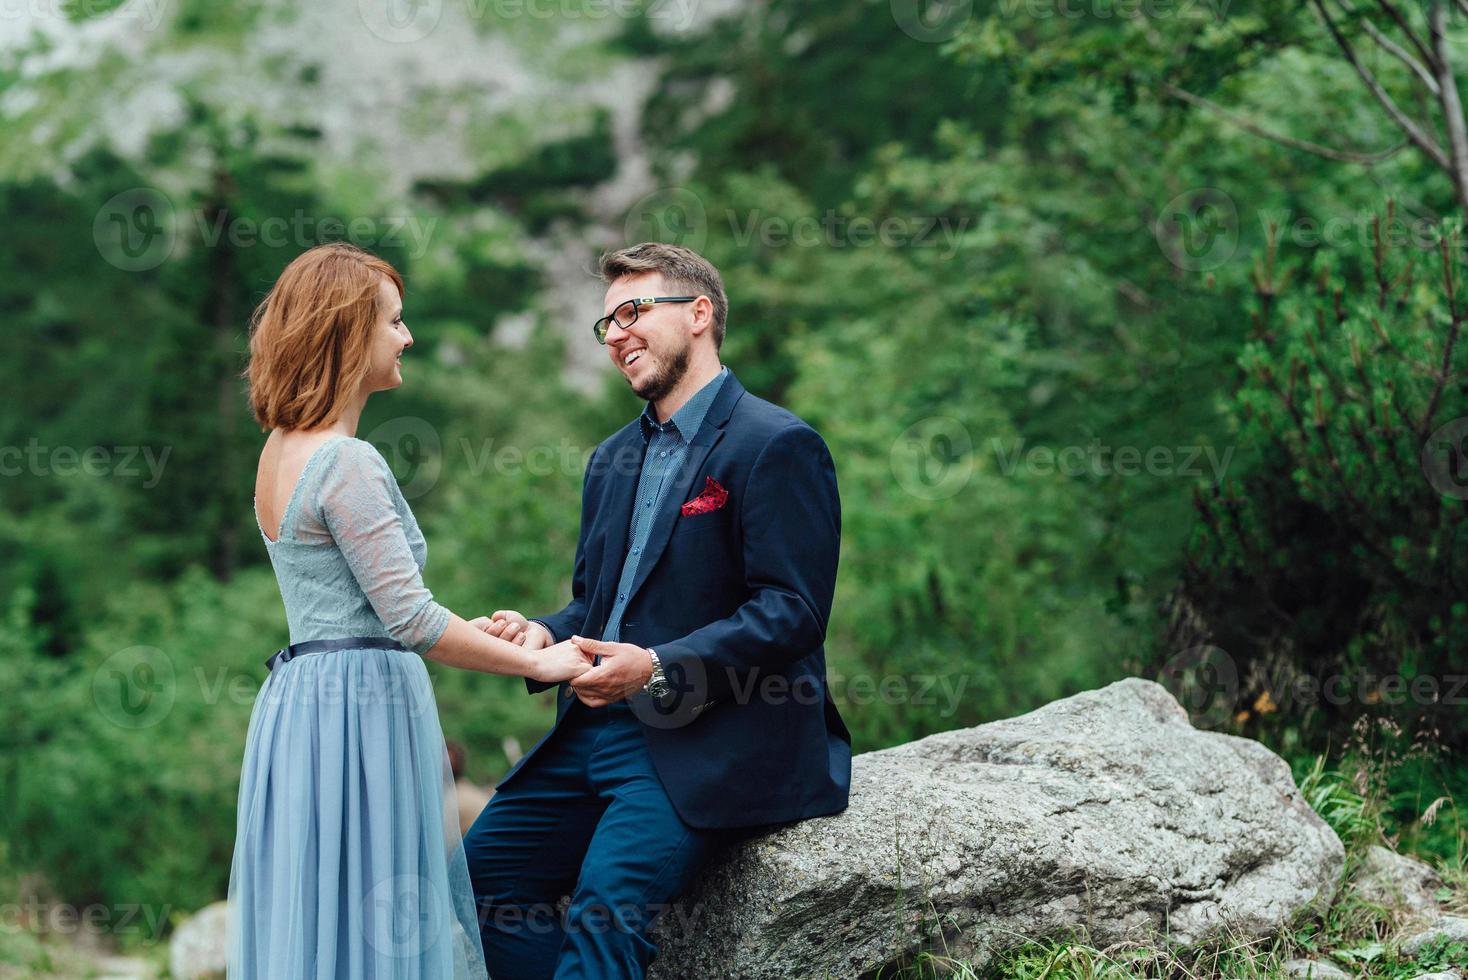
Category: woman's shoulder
[354,466]
[351,451]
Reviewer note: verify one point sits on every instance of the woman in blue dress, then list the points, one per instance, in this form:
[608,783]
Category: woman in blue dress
[347,859]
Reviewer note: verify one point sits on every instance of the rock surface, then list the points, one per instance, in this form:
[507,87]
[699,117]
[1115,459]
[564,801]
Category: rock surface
[197,949]
[1314,970]
[1453,927]
[1396,881]
[1104,815]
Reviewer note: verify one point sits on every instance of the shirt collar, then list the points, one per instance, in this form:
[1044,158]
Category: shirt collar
[688,419]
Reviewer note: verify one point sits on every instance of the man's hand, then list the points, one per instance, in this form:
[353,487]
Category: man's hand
[623,671]
[507,624]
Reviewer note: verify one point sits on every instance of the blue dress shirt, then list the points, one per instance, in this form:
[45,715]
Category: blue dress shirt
[667,447]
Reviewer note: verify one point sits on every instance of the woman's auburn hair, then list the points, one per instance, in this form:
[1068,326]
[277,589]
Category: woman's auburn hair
[310,336]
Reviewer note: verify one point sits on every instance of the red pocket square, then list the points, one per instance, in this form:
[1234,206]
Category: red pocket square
[712,498]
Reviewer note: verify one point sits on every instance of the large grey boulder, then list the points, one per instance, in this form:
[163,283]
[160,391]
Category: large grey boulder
[1105,815]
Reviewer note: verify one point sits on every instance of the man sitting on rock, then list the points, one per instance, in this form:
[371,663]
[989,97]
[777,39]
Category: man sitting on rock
[704,574]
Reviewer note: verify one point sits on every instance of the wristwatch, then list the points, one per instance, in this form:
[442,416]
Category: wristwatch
[657,684]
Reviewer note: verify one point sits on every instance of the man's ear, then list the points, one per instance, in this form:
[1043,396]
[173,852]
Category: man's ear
[702,310]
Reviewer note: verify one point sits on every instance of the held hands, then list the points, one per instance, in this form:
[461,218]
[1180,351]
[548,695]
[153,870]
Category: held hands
[556,662]
[624,669]
[509,625]
[560,662]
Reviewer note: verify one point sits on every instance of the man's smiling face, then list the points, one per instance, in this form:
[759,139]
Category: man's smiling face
[652,353]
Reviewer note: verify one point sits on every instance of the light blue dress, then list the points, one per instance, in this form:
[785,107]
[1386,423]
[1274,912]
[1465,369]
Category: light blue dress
[347,861]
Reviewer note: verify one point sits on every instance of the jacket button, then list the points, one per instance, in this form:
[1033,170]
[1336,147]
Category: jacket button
[569,692]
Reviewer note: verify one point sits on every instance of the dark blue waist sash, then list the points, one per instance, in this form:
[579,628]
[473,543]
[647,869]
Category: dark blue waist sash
[322,646]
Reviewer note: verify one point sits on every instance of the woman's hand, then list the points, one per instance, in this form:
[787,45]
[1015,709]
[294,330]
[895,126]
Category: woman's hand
[560,662]
[505,629]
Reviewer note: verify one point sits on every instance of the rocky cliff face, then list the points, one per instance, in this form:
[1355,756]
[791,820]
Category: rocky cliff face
[396,91]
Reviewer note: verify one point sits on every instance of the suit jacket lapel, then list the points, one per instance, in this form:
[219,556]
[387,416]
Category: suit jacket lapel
[703,443]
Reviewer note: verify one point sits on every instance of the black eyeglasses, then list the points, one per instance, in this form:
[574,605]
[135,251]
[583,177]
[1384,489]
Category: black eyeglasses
[625,313]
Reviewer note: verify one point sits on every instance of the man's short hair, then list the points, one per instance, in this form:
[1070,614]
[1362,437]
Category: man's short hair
[681,268]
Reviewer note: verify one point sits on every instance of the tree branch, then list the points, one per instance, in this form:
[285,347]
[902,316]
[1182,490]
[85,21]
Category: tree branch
[1414,132]
[1406,28]
[1329,153]
[1393,48]
[1452,105]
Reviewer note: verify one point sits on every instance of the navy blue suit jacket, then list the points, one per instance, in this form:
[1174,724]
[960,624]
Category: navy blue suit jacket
[736,602]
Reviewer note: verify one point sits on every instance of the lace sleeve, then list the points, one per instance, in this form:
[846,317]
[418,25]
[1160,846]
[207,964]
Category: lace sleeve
[358,507]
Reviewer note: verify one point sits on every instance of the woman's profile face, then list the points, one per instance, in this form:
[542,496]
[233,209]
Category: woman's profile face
[390,337]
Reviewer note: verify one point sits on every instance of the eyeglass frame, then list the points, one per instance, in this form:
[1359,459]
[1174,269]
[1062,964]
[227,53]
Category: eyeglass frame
[638,302]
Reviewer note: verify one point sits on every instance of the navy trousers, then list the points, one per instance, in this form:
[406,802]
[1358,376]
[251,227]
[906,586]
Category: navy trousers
[585,817]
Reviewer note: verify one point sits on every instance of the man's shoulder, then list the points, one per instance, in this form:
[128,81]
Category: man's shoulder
[760,421]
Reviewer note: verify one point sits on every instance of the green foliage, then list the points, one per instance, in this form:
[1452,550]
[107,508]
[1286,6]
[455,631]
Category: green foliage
[1340,555]
[1035,299]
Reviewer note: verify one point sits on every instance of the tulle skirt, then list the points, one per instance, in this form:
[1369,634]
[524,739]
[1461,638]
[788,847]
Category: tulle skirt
[347,862]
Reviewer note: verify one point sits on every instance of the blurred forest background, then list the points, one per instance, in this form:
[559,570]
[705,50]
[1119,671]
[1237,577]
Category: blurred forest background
[1133,329]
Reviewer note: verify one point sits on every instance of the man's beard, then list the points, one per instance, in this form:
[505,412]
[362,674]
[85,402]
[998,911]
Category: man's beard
[661,383]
